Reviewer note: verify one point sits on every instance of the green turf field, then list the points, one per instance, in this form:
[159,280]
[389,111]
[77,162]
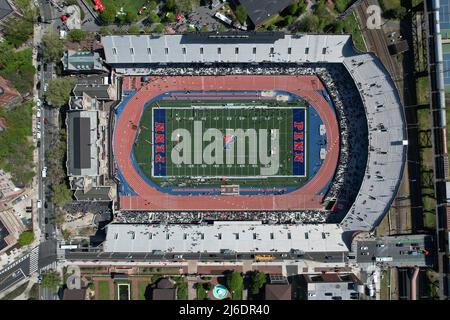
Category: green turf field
[212,114]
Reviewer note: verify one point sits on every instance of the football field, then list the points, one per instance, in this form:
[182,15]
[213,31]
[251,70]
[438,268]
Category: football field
[223,139]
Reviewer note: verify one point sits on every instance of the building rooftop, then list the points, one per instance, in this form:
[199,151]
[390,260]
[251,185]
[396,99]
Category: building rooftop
[332,286]
[5,9]
[82,137]
[97,91]
[278,292]
[94,194]
[218,238]
[82,61]
[259,11]
[74,294]
[157,49]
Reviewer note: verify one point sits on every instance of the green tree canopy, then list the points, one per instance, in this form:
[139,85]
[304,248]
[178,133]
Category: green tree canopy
[241,14]
[26,238]
[108,15]
[59,90]
[133,29]
[342,5]
[53,47]
[158,28]
[76,35]
[51,281]
[170,5]
[105,31]
[16,149]
[235,284]
[131,16]
[310,23]
[153,17]
[152,5]
[257,281]
[170,17]
[61,194]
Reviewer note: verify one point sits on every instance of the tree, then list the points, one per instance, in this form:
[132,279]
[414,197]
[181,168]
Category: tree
[207,286]
[341,5]
[133,29]
[105,31]
[17,67]
[59,90]
[17,31]
[121,19]
[170,17]
[59,218]
[170,5]
[186,5]
[257,281]
[152,5]
[108,15]
[291,10]
[158,28]
[61,194]
[241,14]
[235,284]
[51,281]
[310,23]
[53,47]
[26,238]
[153,17]
[204,28]
[398,13]
[131,16]
[76,35]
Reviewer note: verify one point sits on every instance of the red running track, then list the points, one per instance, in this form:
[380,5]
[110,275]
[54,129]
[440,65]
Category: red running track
[307,197]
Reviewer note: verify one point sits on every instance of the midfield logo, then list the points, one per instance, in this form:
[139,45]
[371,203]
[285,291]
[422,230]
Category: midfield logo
[227,147]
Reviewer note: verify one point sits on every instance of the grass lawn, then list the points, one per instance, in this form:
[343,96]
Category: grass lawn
[429,212]
[102,290]
[423,95]
[178,115]
[447,113]
[142,287]
[384,290]
[383,227]
[237,295]
[355,32]
[202,294]
[133,5]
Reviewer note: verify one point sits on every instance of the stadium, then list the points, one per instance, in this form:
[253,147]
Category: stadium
[290,130]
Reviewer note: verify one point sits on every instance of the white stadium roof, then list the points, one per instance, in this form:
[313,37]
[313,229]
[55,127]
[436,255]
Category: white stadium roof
[137,54]
[240,238]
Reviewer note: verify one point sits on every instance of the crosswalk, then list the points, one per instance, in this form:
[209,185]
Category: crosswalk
[34,259]
[51,266]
